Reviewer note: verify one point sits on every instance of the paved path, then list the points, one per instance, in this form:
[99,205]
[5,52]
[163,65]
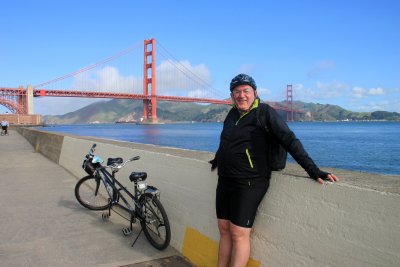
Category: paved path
[42,224]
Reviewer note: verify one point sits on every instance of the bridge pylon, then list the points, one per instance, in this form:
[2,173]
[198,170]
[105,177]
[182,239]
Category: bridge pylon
[289,102]
[29,100]
[149,82]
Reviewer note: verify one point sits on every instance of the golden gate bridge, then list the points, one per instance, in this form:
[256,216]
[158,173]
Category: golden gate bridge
[105,79]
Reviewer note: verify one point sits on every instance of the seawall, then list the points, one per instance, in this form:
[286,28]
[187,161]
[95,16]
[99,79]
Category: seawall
[355,222]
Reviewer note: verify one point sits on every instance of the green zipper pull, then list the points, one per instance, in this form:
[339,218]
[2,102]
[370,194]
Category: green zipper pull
[248,156]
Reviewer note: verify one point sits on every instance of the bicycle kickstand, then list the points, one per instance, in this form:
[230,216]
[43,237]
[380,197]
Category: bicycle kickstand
[106,215]
[141,230]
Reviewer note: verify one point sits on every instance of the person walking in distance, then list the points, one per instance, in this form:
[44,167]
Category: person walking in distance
[4,127]
[244,170]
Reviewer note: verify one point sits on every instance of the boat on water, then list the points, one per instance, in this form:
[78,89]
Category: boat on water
[130,121]
[149,123]
[144,122]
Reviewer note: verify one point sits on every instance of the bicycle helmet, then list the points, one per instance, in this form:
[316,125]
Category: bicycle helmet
[242,79]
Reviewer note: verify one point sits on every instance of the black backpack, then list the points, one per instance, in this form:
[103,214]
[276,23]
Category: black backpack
[276,154]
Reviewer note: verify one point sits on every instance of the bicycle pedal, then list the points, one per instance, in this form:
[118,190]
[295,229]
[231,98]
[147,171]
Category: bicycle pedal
[105,216]
[126,231]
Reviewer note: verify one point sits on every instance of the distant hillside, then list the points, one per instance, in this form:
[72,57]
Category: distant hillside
[334,113]
[128,110]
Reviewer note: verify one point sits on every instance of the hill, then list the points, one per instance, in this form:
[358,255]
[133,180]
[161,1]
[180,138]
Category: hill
[125,110]
[336,113]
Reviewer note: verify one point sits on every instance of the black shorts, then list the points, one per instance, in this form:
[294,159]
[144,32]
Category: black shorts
[237,200]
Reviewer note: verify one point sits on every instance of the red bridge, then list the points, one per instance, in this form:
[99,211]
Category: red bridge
[108,82]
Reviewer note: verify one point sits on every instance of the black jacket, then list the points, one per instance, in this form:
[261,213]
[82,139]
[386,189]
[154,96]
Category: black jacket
[243,145]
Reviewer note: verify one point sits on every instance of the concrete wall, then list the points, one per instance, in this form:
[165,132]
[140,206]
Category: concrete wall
[47,143]
[355,222]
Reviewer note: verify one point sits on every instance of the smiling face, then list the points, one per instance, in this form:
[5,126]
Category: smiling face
[243,96]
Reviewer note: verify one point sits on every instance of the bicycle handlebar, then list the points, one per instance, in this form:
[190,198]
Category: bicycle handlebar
[115,166]
[92,149]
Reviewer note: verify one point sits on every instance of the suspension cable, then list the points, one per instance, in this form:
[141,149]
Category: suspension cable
[199,79]
[120,54]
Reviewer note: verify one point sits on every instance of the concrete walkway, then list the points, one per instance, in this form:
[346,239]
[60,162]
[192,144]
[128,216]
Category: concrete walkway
[42,224]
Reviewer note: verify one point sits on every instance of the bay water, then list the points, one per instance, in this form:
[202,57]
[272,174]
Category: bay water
[358,146]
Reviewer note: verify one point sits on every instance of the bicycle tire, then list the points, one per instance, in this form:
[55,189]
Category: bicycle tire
[156,224]
[85,193]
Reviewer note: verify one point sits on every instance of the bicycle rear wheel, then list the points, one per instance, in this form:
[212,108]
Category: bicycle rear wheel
[92,194]
[156,224]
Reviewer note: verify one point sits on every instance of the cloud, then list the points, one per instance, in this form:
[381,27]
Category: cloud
[372,99]
[180,78]
[374,106]
[376,91]
[263,93]
[321,67]
[330,90]
[303,93]
[352,98]
[322,91]
[198,94]
[380,105]
[359,92]
[107,79]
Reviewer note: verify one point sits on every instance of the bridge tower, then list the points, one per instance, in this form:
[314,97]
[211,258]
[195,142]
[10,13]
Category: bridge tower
[29,100]
[21,100]
[149,82]
[289,101]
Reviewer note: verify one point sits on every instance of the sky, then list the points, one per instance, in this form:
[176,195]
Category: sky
[341,52]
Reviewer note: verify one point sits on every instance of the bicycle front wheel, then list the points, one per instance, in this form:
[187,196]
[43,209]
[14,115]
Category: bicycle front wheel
[92,194]
[156,224]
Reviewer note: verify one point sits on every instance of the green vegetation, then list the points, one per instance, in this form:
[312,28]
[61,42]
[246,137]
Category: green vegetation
[125,110]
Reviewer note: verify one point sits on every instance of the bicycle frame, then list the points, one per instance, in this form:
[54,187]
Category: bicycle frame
[113,186]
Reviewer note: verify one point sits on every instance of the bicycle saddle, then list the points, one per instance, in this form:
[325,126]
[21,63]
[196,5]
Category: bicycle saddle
[111,161]
[135,176]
